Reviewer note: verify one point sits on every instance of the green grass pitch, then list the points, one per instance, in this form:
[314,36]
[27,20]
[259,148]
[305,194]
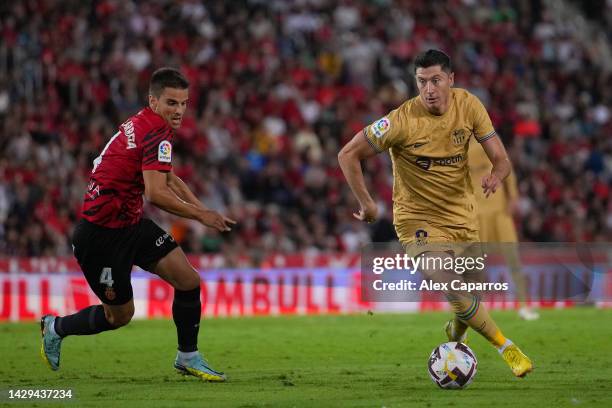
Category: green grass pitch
[349,361]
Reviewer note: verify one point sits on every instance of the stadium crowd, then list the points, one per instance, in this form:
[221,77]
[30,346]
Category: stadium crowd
[277,88]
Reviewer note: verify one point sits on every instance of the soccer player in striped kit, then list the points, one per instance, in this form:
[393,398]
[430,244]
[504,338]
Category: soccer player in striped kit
[112,235]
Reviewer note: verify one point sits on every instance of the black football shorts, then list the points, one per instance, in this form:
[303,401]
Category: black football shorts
[106,255]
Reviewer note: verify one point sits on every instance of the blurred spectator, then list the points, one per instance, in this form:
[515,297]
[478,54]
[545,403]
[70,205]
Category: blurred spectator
[278,87]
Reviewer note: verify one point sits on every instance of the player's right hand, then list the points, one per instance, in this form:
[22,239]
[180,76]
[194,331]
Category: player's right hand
[215,220]
[367,213]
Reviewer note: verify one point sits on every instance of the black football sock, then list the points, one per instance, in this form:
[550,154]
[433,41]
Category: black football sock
[90,320]
[186,311]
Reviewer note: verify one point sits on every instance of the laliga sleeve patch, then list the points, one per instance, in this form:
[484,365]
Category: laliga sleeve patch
[380,127]
[164,152]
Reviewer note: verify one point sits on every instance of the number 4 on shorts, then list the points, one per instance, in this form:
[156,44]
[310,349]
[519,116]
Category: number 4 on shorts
[106,277]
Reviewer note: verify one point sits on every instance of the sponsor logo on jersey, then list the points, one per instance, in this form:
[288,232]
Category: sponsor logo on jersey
[459,137]
[128,129]
[425,162]
[449,161]
[164,152]
[380,127]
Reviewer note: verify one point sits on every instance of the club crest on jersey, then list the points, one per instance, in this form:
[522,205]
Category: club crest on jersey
[421,237]
[380,127]
[458,137]
[164,152]
[110,293]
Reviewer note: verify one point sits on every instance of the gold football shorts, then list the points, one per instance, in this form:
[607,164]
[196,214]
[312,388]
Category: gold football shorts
[497,227]
[419,237]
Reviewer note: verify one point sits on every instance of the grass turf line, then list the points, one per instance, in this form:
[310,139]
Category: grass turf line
[358,360]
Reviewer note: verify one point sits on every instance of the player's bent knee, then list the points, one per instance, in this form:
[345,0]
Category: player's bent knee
[188,281]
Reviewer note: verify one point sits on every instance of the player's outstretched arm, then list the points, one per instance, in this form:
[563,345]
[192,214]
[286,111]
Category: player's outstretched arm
[181,189]
[494,148]
[349,159]
[159,193]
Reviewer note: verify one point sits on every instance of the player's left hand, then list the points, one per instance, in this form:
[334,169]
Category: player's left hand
[367,213]
[490,184]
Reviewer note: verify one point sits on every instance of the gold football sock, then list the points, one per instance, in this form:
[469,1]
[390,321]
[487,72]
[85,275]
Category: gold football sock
[471,312]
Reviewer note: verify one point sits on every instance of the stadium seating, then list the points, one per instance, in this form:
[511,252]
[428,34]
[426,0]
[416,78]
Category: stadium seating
[277,88]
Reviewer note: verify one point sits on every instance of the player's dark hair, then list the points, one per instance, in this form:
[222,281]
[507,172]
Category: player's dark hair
[430,58]
[166,78]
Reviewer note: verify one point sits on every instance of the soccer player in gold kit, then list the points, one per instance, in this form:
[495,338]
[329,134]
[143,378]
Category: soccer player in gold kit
[496,223]
[433,200]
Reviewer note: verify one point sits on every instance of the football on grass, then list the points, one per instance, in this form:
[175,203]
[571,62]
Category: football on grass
[452,365]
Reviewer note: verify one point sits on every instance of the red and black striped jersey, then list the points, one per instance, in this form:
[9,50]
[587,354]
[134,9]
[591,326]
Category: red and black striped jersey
[116,185]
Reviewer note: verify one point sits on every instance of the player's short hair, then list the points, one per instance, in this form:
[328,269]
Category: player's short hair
[430,58]
[166,78]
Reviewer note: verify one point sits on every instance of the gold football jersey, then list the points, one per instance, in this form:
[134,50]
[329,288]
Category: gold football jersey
[429,157]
